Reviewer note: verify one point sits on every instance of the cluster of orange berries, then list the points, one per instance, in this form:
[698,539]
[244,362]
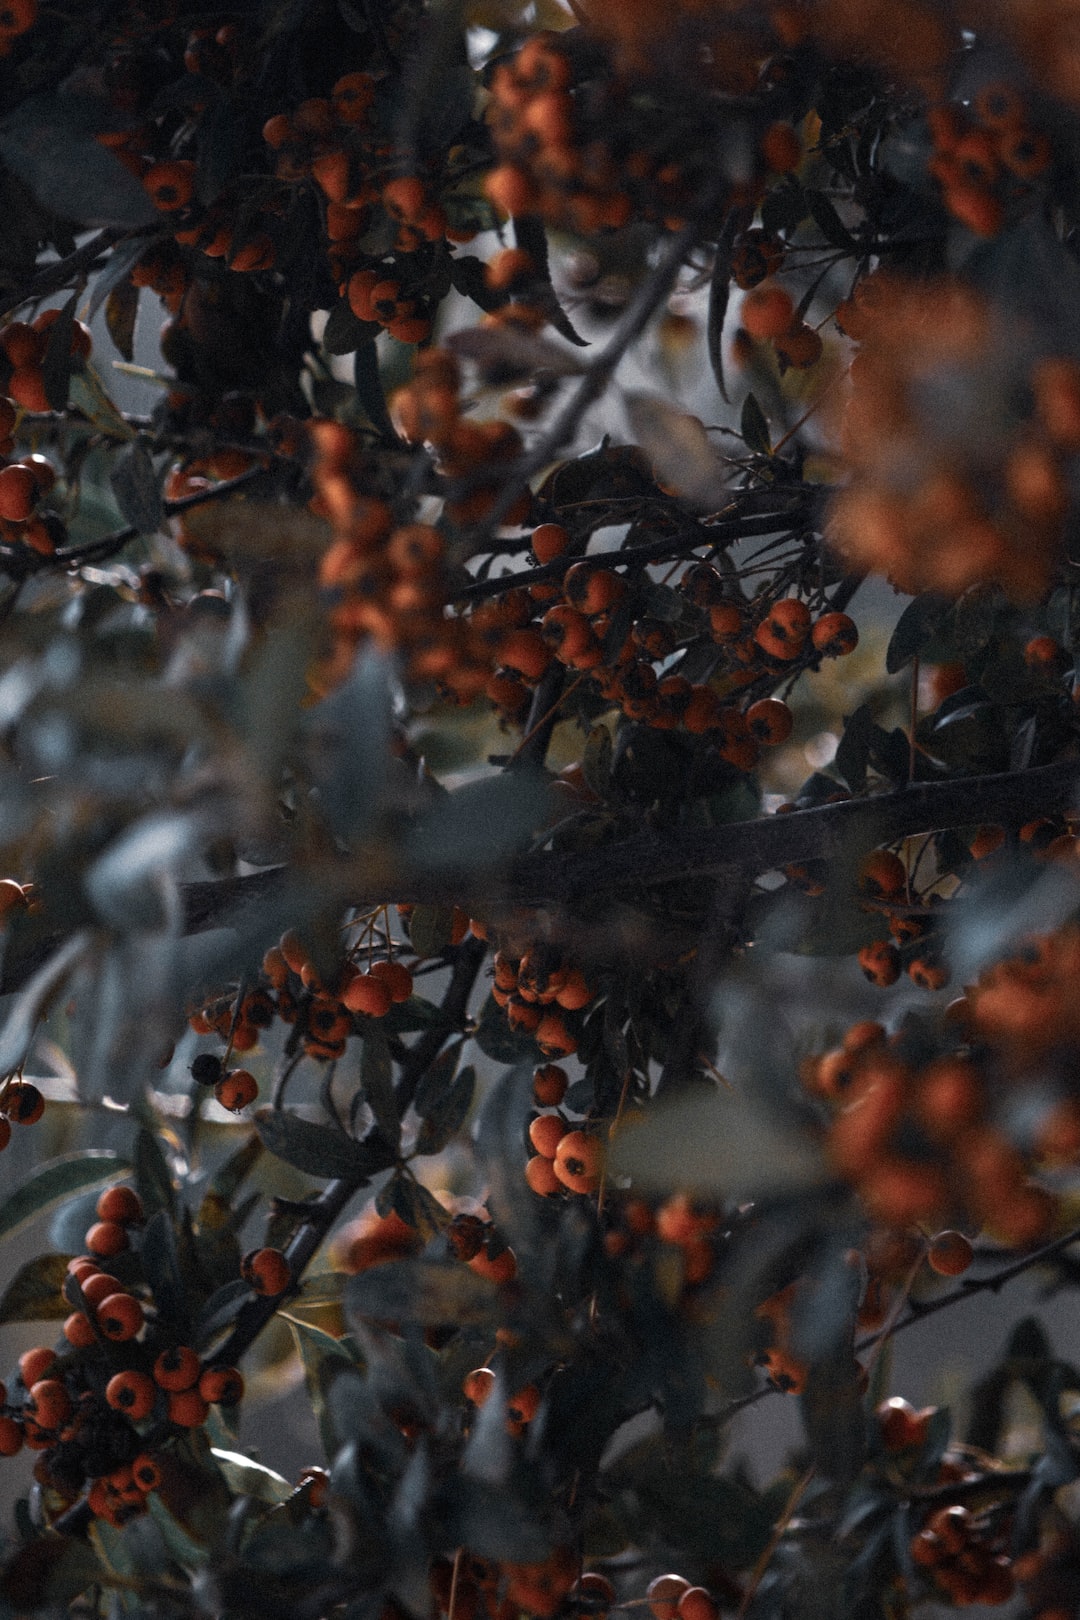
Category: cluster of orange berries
[536,988]
[936,502]
[884,882]
[768,315]
[986,156]
[918,1141]
[296,992]
[101,1415]
[22,351]
[501,1589]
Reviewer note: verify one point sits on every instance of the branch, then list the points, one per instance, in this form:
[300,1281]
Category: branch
[52,277]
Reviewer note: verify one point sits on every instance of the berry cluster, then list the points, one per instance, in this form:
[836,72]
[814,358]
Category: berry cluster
[986,157]
[937,501]
[104,1408]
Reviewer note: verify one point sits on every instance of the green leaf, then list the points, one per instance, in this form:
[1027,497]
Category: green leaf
[50,1570]
[919,623]
[446,1117]
[708,1143]
[497,1040]
[121,311]
[377,1083]
[54,1182]
[136,483]
[437,1079]
[318,1150]
[754,428]
[323,1358]
[245,1477]
[719,295]
[430,928]
[34,1293]
[853,753]
[18,1031]
[428,1292]
[829,223]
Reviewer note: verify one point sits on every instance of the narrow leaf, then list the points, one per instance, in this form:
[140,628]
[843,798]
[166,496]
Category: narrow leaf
[754,428]
[54,1182]
[121,311]
[137,486]
[34,1294]
[317,1150]
[377,1081]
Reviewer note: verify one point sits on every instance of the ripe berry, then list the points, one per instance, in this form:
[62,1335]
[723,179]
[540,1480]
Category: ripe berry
[880,962]
[545,1134]
[540,1176]
[35,1364]
[236,1090]
[18,493]
[478,1385]
[120,1317]
[78,1331]
[367,994]
[145,1472]
[99,1285]
[268,1272]
[549,541]
[221,1386]
[549,1085]
[23,1103]
[106,1238]
[177,1369]
[11,1437]
[770,721]
[499,1268]
[396,977]
[950,1254]
[120,1204]
[132,1393]
[523,1407]
[901,1426]
[578,1161]
[188,1409]
[835,635]
[49,1403]
[696,1604]
[663,1595]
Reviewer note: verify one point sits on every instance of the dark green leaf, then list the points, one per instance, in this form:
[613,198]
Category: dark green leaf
[323,1358]
[369,389]
[447,1116]
[49,143]
[429,1292]
[919,623]
[829,223]
[530,234]
[497,1040]
[22,1019]
[719,294]
[153,1178]
[56,366]
[412,1202]
[318,1150]
[161,1266]
[853,753]
[344,332]
[54,1182]
[50,1570]
[833,1415]
[377,1083]
[467,278]
[754,428]
[437,1079]
[136,483]
[34,1293]
[121,311]
[784,207]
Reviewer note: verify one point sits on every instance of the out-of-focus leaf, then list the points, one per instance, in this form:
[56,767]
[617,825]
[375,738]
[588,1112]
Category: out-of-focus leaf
[829,223]
[505,353]
[22,1020]
[321,1150]
[48,141]
[754,428]
[713,1144]
[121,311]
[220,1311]
[125,883]
[497,1040]
[681,452]
[430,928]
[344,332]
[51,1569]
[467,277]
[445,1117]
[122,260]
[922,620]
[429,1292]
[54,1182]
[480,823]
[377,1083]
[351,732]
[136,484]
[719,294]
[530,234]
[285,537]
[34,1293]
[833,1415]
[495,1522]
[437,1080]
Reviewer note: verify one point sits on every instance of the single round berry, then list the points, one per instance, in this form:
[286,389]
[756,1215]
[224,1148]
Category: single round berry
[950,1254]
[120,1317]
[35,1364]
[268,1272]
[132,1393]
[188,1409]
[177,1368]
[145,1472]
[206,1069]
[221,1386]
[23,1103]
[106,1238]
[120,1204]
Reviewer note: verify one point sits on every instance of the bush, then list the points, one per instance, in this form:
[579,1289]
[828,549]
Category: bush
[427,961]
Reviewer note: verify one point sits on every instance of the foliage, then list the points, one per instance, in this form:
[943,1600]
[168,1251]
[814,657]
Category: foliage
[415,884]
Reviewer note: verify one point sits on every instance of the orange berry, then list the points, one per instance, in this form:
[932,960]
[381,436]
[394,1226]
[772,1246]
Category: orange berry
[120,1204]
[35,1364]
[132,1393]
[578,1161]
[901,1426]
[18,492]
[145,1472]
[478,1385]
[549,1085]
[49,1402]
[767,311]
[695,1603]
[78,1331]
[663,1595]
[106,1238]
[541,1178]
[396,977]
[835,635]
[188,1409]
[177,1369]
[545,1134]
[268,1272]
[368,994]
[221,1386]
[120,1316]
[26,386]
[950,1254]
